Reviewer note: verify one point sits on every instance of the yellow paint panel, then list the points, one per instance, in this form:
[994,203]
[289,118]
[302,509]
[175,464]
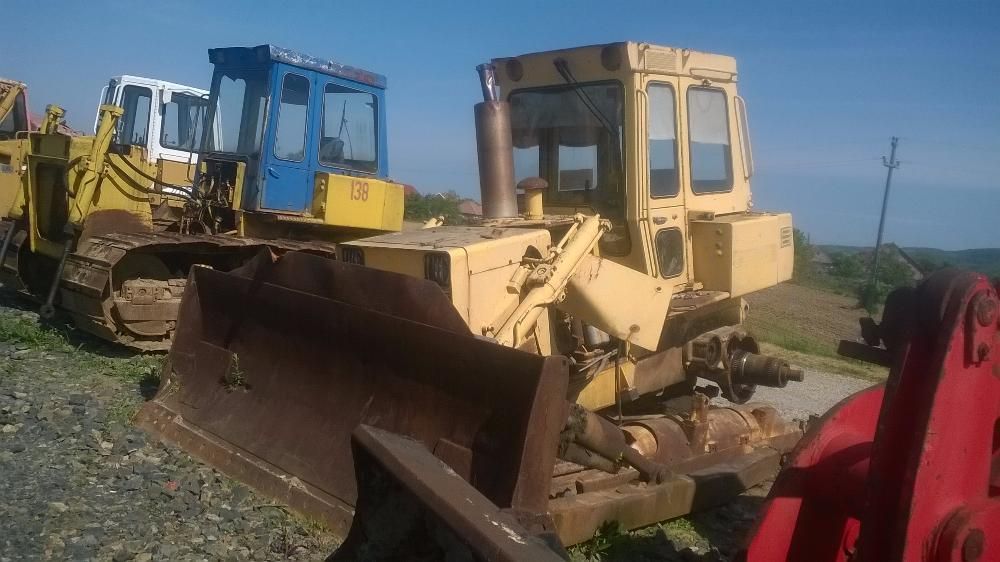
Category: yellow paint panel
[11,186]
[742,253]
[174,173]
[601,391]
[358,202]
[640,302]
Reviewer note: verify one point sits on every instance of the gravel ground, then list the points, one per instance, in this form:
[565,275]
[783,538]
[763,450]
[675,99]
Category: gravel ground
[813,396]
[79,483]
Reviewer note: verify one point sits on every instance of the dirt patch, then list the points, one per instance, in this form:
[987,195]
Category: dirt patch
[794,312]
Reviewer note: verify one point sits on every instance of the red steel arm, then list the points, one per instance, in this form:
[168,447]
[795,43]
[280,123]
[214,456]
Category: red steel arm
[910,470]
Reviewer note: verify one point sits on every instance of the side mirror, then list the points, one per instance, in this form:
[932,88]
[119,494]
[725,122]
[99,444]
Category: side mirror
[165,96]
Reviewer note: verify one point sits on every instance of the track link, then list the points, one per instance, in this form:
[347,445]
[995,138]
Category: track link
[126,287]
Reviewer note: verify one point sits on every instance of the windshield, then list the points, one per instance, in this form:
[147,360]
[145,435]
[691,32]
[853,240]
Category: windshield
[559,138]
[238,102]
[183,119]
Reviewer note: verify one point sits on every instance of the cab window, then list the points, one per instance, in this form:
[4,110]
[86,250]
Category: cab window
[182,122]
[670,252]
[571,136]
[133,128]
[293,109]
[711,157]
[349,132]
[662,126]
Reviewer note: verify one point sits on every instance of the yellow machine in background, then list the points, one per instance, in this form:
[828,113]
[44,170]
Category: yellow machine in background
[13,120]
[13,108]
[79,230]
[592,321]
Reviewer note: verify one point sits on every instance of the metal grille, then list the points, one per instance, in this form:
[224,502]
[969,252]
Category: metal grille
[351,254]
[661,61]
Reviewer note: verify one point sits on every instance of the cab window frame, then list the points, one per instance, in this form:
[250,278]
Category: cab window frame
[376,131]
[15,122]
[677,140]
[556,197]
[305,123]
[656,249]
[553,194]
[131,115]
[731,175]
[196,136]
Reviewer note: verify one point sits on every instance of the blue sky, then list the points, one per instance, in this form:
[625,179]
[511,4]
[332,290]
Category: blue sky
[827,84]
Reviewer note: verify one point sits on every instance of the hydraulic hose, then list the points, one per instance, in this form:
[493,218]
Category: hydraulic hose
[185,189]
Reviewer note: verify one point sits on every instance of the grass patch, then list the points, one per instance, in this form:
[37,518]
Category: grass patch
[837,365]
[17,328]
[787,337]
[21,329]
[611,543]
[609,538]
[122,410]
[140,369]
[682,532]
[802,349]
[831,284]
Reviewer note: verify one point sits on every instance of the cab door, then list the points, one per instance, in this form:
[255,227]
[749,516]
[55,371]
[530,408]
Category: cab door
[665,224]
[287,182]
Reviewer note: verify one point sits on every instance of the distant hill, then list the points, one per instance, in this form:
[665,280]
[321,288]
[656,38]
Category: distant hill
[985,260]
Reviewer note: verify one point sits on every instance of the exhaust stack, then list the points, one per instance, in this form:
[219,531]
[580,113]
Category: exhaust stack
[494,149]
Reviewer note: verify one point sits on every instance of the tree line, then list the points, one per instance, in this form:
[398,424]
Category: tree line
[850,272]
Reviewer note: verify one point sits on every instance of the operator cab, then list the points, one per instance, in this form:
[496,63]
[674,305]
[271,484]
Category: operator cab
[653,138]
[163,117]
[291,120]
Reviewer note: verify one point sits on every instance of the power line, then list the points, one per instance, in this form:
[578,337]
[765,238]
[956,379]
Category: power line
[963,146]
[827,163]
[953,169]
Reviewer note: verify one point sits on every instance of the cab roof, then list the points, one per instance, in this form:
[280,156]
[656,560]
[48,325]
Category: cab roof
[242,56]
[638,57]
[127,79]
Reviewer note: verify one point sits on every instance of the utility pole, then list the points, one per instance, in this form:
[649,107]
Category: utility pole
[891,164]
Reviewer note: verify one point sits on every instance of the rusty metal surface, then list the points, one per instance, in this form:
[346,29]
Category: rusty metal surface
[112,221]
[281,374]
[413,506]
[389,293]
[577,517]
[496,161]
[712,454]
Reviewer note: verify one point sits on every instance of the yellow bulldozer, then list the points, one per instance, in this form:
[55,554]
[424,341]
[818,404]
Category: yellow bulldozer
[293,157]
[577,357]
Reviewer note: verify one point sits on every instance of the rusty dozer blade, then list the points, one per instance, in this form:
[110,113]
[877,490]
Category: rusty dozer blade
[276,363]
[413,507]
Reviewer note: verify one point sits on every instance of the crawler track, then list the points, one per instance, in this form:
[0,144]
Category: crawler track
[126,287]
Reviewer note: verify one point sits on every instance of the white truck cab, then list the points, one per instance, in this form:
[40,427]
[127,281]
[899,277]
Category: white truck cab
[164,117]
